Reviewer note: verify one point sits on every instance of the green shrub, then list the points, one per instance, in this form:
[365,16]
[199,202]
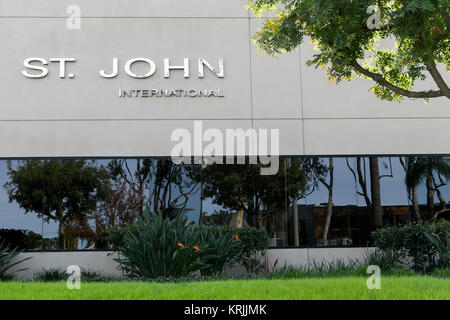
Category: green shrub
[388,263]
[58,275]
[95,276]
[410,241]
[442,244]
[383,259]
[218,251]
[50,275]
[324,269]
[7,261]
[116,235]
[254,242]
[158,247]
[337,268]
[441,273]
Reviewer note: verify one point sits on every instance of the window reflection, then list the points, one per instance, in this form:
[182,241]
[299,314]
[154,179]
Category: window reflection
[311,201]
[340,200]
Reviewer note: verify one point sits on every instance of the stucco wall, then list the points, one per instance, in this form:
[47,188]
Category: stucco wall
[102,261]
[306,257]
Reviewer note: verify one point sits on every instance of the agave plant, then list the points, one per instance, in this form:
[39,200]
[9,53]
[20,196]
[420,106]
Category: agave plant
[442,245]
[8,260]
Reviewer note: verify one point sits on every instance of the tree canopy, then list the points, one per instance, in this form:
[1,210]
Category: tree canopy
[347,34]
[60,190]
[169,185]
[241,187]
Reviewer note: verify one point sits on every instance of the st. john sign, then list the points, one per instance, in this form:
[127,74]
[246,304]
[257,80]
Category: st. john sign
[37,68]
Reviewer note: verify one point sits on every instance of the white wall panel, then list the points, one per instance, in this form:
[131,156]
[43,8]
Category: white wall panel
[276,85]
[352,99]
[99,261]
[99,138]
[89,96]
[376,136]
[125,8]
[290,131]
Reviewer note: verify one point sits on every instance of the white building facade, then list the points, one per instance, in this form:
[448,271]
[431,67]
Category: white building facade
[109,79]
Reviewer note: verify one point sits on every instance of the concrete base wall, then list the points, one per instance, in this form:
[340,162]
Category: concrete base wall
[278,258]
[329,254]
[102,261]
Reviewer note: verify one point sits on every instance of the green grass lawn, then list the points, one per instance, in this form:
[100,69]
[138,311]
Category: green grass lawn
[419,287]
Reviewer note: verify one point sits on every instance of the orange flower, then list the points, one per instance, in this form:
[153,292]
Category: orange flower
[236,237]
[187,223]
[180,245]
[196,248]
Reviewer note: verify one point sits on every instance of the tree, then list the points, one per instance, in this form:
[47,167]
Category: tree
[346,34]
[241,188]
[360,179]
[320,173]
[374,201]
[117,209]
[59,190]
[169,184]
[434,171]
[408,164]
[375,190]
[137,180]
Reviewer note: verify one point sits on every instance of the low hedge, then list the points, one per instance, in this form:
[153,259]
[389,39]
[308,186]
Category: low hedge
[411,241]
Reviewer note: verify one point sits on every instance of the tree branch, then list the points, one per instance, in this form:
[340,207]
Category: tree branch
[382,81]
[402,163]
[446,18]
[322,180]
[431,67]
[360,180]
